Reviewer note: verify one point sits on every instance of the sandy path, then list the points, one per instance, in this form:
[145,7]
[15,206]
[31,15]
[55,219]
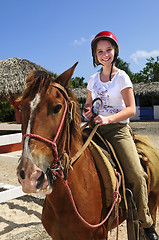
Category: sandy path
[20,218]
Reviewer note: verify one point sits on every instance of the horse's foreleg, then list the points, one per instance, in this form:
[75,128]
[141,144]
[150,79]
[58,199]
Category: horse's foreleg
[153,204]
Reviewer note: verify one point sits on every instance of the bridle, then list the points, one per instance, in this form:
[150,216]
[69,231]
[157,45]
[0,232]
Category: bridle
[54,141]
[69,162]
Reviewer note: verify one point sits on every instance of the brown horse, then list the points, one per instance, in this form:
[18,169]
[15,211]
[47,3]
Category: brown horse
[52,137]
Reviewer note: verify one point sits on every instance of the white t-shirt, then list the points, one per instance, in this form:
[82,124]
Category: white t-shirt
[109,93]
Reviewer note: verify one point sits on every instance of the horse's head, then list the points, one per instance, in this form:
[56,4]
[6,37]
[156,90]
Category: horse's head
[49,123]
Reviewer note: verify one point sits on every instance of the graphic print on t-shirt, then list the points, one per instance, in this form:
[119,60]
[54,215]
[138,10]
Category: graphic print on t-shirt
[102,92]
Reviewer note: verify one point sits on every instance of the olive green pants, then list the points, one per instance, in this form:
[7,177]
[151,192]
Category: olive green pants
[119,135]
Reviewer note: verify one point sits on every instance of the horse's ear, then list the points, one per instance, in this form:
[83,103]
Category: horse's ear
[65,77]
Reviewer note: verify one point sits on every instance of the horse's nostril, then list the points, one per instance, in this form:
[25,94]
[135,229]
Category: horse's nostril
[22,174]
[40,180]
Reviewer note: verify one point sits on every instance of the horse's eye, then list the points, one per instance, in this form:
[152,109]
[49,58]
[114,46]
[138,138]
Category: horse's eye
[57,108]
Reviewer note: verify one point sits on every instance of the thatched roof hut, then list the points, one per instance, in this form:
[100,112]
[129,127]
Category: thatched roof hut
[13,72]
[140,89]
[81,93]
[146,89]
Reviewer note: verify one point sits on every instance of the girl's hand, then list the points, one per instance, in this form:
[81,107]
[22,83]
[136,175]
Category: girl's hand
[87,113]
[101,120]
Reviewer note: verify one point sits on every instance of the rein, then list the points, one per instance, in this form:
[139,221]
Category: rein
[116,200]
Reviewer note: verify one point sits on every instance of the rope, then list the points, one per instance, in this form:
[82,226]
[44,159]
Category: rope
[116,200]
[54,146]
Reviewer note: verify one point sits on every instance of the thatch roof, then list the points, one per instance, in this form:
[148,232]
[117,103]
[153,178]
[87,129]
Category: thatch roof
[146,89]
[81,93]
[13,72]
[140,89]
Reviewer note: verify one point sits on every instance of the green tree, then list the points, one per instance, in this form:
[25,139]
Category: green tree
[53,74]
[124,66]
[150,73]
[77,82]
[7,112]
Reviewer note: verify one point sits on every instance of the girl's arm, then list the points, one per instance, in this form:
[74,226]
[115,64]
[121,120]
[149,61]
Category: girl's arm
[129,111]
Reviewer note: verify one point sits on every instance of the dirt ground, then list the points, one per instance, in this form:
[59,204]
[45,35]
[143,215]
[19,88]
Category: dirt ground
[20,218]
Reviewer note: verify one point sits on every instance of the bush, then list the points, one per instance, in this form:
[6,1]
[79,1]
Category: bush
[7,112]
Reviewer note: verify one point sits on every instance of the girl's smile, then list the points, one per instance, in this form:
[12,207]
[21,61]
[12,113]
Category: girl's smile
[105,52]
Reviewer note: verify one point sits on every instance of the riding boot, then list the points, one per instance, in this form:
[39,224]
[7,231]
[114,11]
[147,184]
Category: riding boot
[150,233]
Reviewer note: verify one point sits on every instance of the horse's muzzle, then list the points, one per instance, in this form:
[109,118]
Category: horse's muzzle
[40,181]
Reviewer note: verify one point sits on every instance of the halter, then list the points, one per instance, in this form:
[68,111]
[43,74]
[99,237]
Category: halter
[53,142]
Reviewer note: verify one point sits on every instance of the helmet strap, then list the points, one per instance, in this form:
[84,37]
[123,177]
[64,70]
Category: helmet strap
[111,71]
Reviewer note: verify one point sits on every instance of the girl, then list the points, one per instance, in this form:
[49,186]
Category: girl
[113,86]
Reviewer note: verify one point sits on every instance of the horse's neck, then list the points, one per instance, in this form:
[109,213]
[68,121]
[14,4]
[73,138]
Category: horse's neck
[76,145]
[72,140]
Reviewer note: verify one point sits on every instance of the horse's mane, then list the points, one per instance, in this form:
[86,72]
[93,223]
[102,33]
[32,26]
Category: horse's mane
[38,82]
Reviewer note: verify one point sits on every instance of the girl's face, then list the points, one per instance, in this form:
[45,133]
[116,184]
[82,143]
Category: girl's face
[105,52]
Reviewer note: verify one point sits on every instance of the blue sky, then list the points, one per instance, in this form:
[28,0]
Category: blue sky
[56,34]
